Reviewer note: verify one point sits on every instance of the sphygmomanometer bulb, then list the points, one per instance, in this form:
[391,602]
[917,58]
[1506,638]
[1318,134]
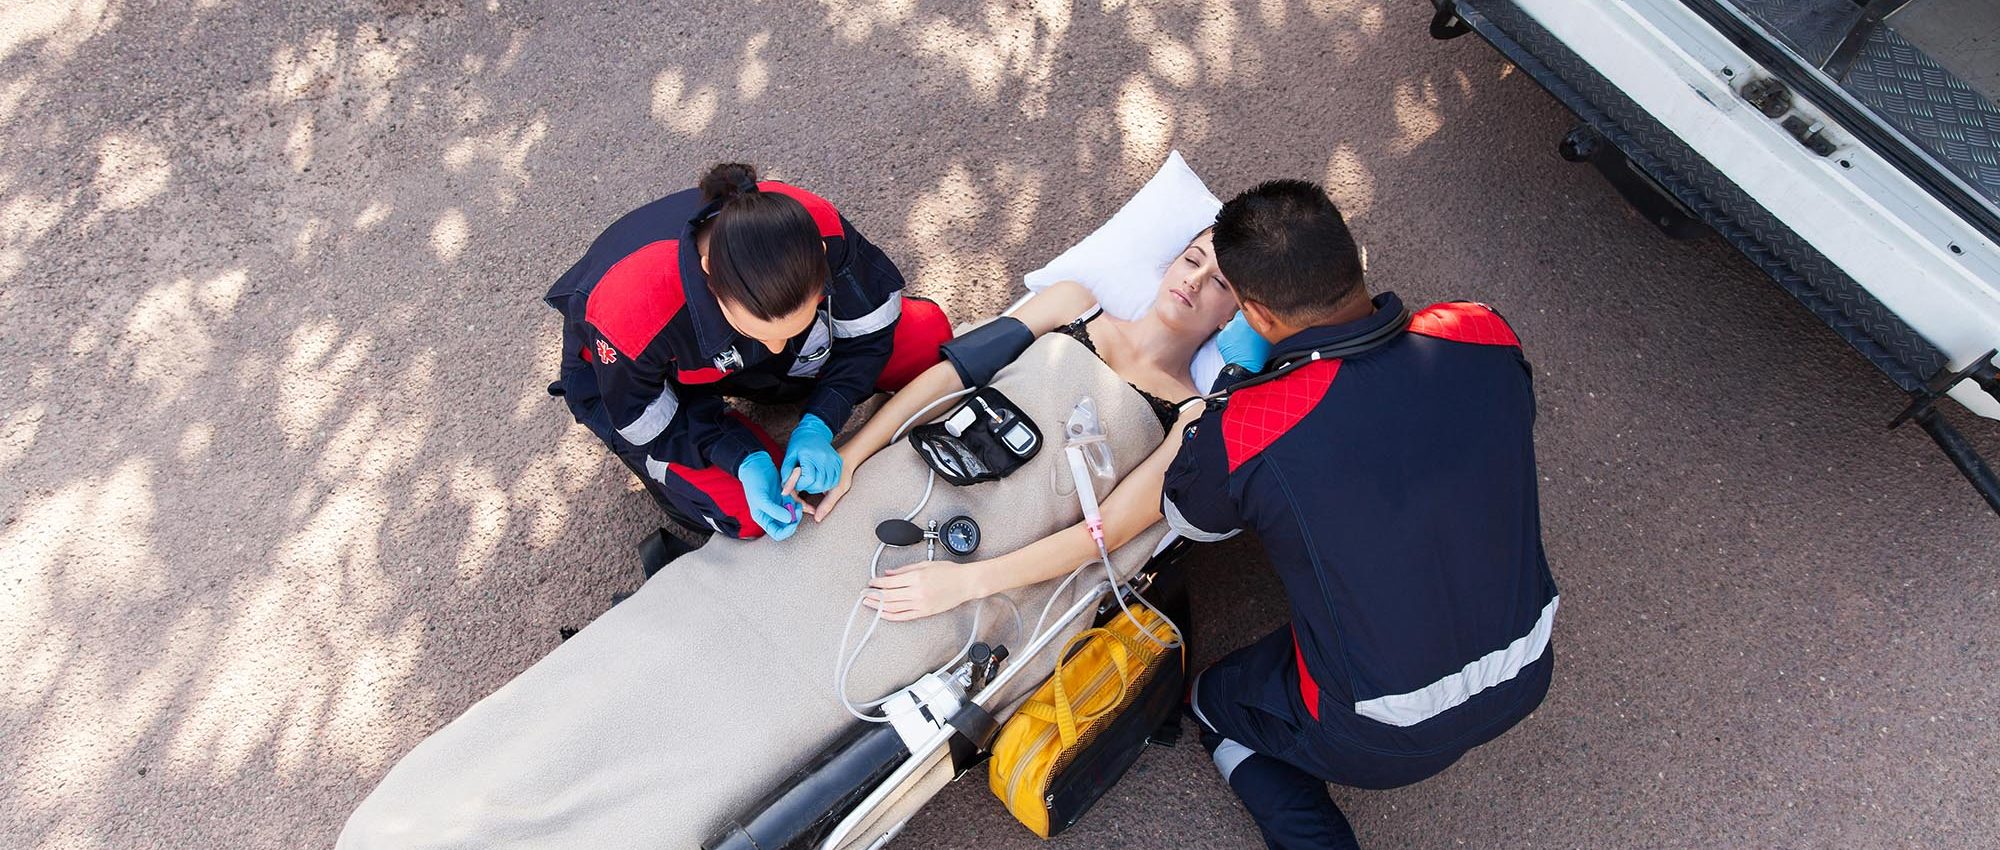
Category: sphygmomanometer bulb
[899,532]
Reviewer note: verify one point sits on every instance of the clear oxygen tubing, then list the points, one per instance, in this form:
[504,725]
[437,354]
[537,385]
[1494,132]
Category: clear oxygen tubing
[844,660]
[1081,447]
[927,752]
[1084,434]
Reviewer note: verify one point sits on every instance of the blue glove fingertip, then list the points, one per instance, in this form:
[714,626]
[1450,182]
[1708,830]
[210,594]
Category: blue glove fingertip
[811,450]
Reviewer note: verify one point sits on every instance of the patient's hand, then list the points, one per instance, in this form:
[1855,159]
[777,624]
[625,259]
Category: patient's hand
[920,590]
[832,496]
[848,463]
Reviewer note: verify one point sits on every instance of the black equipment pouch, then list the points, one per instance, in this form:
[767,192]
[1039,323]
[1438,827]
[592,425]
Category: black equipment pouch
[985,438]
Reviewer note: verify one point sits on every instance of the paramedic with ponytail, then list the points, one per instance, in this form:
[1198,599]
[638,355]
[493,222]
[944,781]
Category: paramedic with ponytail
[1386,461]
[737,288]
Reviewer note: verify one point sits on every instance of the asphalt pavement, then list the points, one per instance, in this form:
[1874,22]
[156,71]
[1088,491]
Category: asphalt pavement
[280,490]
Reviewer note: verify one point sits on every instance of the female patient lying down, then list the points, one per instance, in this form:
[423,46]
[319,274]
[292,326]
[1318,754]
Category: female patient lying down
[673,711]
[1151,352]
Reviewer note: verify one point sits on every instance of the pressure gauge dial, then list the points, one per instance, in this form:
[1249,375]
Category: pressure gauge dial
[960,535]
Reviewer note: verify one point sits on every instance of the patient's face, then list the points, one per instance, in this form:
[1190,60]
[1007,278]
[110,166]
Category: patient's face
[1194,295]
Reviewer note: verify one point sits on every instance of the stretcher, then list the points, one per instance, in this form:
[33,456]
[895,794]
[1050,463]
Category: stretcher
[704,707]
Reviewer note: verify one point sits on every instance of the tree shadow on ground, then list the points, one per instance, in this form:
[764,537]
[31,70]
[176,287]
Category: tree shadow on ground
[280,489]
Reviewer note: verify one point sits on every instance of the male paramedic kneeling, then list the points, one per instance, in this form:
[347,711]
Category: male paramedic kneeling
[1386,460]
[745,288]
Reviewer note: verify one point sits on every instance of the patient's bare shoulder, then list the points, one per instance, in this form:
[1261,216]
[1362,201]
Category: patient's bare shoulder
[1055,306]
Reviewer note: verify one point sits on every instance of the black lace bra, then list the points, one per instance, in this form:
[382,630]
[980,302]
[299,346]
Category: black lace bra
[1079,330]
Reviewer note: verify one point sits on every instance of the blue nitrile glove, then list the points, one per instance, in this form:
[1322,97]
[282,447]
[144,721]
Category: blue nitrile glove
[811,453]
[1241,345]
[774,512]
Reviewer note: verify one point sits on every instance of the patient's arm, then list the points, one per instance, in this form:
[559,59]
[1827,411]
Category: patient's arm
[933,587]
[1046,311]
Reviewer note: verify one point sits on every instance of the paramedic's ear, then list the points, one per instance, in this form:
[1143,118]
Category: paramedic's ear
[1262,321]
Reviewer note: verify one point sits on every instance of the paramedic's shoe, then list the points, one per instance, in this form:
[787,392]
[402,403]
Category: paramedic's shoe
[661,548]
[1290,806]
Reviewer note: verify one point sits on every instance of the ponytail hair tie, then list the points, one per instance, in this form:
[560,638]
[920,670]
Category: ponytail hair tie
[727,180]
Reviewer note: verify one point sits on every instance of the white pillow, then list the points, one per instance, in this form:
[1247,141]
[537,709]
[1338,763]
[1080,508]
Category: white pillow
[1122,261]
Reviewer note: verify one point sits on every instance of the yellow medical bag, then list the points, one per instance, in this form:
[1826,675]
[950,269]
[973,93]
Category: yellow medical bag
[1076,735]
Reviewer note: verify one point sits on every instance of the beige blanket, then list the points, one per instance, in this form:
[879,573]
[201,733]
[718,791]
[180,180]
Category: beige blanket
[674,710]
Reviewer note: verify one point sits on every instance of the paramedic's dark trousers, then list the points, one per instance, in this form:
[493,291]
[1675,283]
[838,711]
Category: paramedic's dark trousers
[1290,806]
[1259,734]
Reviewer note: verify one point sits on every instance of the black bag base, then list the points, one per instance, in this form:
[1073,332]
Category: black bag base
[1100,765]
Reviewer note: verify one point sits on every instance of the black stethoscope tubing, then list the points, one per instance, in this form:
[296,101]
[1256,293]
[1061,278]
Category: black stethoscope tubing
[1345,348]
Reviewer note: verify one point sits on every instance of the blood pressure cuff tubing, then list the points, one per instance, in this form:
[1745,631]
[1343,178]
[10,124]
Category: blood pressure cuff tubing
[979,353]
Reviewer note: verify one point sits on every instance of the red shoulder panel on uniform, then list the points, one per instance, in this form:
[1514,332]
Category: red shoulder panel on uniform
[1257,416]
[1463,321]
[823,213]
[637,296]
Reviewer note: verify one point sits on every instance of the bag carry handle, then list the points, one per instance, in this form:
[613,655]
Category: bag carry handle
[1064,710]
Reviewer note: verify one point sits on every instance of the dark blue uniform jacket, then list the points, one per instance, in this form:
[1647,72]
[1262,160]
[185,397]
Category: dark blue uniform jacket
[639,320]
[1395,493]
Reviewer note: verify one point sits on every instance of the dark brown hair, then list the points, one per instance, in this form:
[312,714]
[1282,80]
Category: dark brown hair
[764,251]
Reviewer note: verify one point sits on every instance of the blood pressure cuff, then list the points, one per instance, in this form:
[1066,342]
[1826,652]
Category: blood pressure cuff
[983,351]
[984,438]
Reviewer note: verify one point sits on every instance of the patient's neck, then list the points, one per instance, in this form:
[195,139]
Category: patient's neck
[1154,344]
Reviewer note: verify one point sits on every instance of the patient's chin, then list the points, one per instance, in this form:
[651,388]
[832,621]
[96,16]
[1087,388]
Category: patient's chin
[1185,324]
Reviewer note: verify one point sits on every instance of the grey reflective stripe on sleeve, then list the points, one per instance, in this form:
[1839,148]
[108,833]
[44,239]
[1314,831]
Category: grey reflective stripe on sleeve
[877,319]
[1229,755]
[653,419]
[1186,529]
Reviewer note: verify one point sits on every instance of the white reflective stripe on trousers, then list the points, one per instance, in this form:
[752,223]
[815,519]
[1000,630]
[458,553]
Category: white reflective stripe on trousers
[877,319]
[1442,695]
[653,420]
